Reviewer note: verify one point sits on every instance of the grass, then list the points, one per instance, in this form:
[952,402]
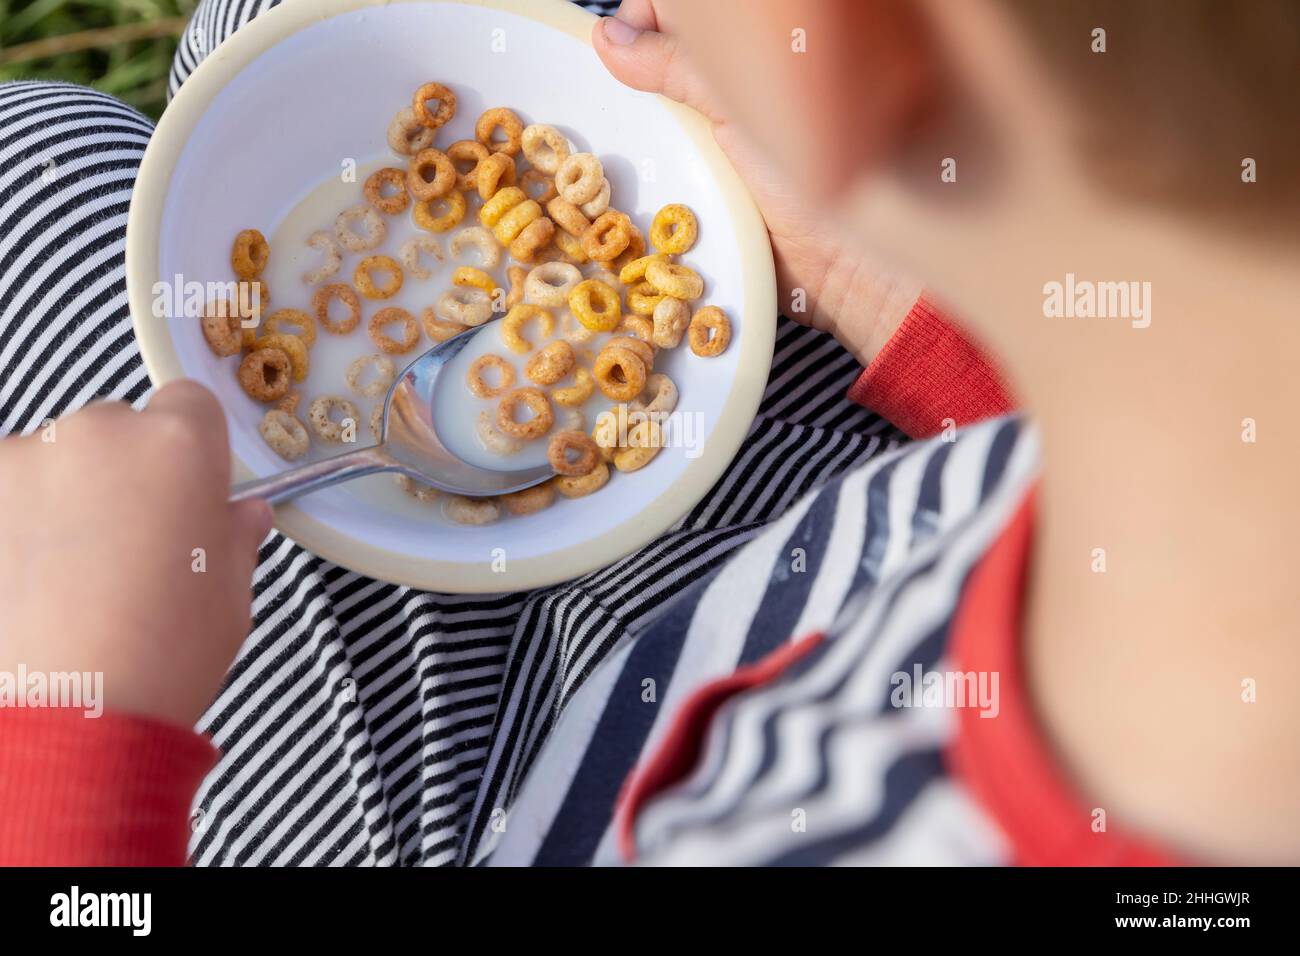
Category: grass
[123,47]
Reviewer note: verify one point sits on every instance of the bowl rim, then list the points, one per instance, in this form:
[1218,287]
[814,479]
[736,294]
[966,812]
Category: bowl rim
[674,501]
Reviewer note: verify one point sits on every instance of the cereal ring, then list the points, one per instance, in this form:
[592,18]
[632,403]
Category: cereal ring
[530,500]
[249,254]
[575,331]
[464,510]
[643,442]
[465,306]
[574,421]
[406,136]
[386,343]
[455,211]
[619,373]
[295,319]
[550,284]
[264,374]
[643,299]
[596,305]
[467,151]
[516,275]
[634,271]
[332,258]
[513,324]
[550,363]
[377,422]
[385,373]
[512,223]
[320,303]
[570,247]
[533,239]
[491,437]
[501,202]
[545,148]
[532,178]
[418,489]
[389,205]
[364,281]
[675,280]
[291,346]
[410,254]
[710,332]
[418,179]
[494,174]
[252,299]
[583,485]
[478,237]
[375,229]
[319,416]
[440,330]
[467,277]
[535,401]
[662,392]
[642,350]
[568,217]
[446,105]
[286,436]
[479,386]
[289,403]
[221,328]
[671,317]
[602,273]
[597,204]
[637,326]
[502,119]
[635,248]
[562,443]
[578,178]
[674,229]
[578,393]
[606,432]
[607,236]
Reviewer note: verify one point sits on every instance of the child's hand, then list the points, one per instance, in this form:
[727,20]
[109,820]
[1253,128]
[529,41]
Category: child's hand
[847,294]
[121,554]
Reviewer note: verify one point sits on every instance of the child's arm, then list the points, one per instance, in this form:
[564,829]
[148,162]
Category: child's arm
[124,574]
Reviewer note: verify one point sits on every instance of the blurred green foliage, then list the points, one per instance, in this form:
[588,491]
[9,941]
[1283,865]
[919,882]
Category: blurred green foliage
[123,47]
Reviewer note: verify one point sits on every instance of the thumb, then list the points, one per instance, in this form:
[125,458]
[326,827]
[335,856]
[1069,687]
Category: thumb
[251,519]
[650,61]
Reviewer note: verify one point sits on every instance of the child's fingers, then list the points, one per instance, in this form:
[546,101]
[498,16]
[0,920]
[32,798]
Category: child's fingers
[650,61]
[197,429]
[639,13]
[251,519]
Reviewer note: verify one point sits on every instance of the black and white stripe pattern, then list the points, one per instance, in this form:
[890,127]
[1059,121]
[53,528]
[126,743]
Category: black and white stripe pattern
[363,723]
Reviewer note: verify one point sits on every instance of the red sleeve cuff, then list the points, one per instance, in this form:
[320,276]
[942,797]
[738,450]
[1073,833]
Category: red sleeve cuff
[108,791]
[929,376]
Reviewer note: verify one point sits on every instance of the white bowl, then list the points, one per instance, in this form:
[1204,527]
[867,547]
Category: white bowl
[279,106]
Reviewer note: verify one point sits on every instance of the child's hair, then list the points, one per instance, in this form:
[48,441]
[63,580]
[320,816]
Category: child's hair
[1185,92]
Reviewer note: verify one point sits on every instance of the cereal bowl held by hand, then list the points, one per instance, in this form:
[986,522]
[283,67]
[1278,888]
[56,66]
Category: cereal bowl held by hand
[308,89]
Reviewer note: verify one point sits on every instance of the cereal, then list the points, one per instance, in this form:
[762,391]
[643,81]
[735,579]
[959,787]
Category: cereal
[388,204]
[221,328]
[320,303]
[619,373]
[578,178]
[644,440]
[573,421]
[446,105]
[454,211]
[440,330]
[464,510]
[406,136]
[533,239]
[635,248]
[468,307]
[530,500]
[606,432]
[607,236]
[249,254]
[550,363]
[264,374]
[291,346]
[662,394]
[385,373]
[575,331]
[494,174]
[671,317]
[289,403]
[363,277]
[642,350]
[637,326]
[492,438]
[675,280]
[430,174]
[643,299]
[467,277]
[581,486]
[512,326]
[386,343]
[513,222]
[568,217]
[597,204]
[320,417]
[545,148]
[562,444]
[517,275]
[252,299]
[505,120]
[467,151]
[570,247]
[478,237]
[578,393]
[536,402]
[347,236]
[550,284]
[710,332]
[410,254]
[285,435]
[377,422]
[501,202]
[479,386]
[537,186]
[418,489]
[331,257]
[674,229]
[634,271]
[596,305]
[295,319]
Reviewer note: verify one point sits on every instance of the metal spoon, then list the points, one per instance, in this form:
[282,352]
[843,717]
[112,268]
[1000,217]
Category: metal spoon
[411,445]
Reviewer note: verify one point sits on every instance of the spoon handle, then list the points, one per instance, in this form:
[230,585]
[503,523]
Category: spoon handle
[315,475]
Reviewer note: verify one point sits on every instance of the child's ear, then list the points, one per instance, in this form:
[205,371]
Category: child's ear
[827,88]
